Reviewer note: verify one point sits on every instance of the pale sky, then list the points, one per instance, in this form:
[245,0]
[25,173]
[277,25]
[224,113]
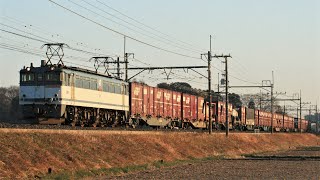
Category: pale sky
[261,36]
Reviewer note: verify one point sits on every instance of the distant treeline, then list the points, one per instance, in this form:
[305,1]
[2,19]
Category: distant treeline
[9,104]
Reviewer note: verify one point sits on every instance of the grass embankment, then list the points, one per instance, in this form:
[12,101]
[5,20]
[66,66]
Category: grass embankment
[30,153]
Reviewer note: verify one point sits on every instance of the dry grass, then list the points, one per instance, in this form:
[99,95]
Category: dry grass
[26,153]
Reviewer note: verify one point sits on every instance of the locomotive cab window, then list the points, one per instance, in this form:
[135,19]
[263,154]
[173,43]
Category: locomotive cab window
[53,77]
[27,77]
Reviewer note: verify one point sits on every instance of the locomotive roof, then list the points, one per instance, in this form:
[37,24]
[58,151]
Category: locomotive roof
[59,68]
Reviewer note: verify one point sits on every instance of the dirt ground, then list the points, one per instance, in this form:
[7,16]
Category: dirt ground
[294,166]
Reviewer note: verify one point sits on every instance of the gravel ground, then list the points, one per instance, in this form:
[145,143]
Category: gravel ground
[236,169]
[253,168]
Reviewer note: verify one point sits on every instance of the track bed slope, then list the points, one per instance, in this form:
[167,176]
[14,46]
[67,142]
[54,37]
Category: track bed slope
[28,153]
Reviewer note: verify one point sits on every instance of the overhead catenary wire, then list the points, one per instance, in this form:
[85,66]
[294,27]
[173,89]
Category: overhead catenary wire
[39,40]
[122,34]
[149,64]
[149,27]
[35,51]
[42,41]
[36,54]
[159,38]
[51,34]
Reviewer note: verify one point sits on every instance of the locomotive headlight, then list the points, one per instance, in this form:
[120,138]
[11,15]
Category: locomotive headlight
[52,68]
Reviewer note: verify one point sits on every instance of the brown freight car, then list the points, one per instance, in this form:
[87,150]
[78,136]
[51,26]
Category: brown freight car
[286,123]
[277,122]
[220,115]
[149,105]
[256,119]
[159,107]
[247,118]
[304,125]
[264,121]
[197,118]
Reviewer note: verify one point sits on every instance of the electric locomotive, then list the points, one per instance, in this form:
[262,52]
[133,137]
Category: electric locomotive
[57,94]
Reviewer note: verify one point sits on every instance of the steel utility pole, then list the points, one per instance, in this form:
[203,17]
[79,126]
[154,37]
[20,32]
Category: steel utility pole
[104,61]
[272,85]
[126,55]
[209,88]
[125,59]
[262,86]
[317,119]
[209,85]
[300,112]
[260,100]
[118,67]
[218,82]
[317,122]
[227,86]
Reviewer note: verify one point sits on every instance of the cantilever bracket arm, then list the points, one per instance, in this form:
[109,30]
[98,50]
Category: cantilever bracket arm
[199,73]
[136,74]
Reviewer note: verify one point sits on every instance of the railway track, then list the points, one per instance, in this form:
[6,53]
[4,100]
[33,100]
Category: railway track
[147,128]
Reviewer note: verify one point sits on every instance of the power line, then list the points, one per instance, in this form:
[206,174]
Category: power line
[47,40]
[51,34]
[39,40]
[2,46]
[136,26]
[122,34]
[24,45]
[35,39]
[104,4]
[18,50]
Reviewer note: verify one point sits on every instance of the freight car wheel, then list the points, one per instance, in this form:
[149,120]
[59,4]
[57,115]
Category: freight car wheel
[135,123]
[73,124]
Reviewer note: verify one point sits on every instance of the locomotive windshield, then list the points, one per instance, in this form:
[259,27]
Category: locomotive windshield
[27,77]
[52,76]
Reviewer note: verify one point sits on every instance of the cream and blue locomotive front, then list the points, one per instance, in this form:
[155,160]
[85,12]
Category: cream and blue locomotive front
[58,94]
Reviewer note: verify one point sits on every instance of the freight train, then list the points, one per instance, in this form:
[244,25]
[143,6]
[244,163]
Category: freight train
[58,94]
